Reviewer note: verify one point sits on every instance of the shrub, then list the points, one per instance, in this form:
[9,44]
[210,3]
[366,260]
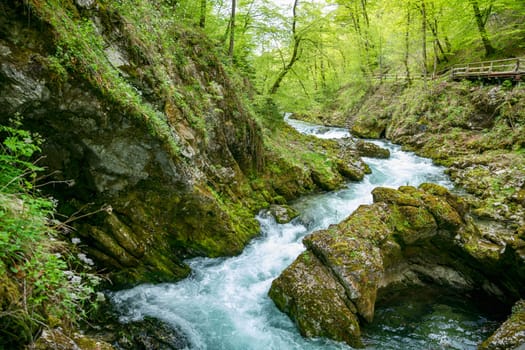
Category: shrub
[38,287]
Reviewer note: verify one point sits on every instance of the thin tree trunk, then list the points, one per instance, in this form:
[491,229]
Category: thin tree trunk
[202,19]
[295,52]
[365,13]
[407,41]
[434,28]
[424,38]
[436,58]
[232,29]
[489,49]
[323,74]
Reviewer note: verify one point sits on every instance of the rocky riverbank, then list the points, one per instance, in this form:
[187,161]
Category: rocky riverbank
[476,131]
[155,149]
[408,239]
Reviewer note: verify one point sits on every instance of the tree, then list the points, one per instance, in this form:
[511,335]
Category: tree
[481,22]
[232,29]
[295,51]
[424,37]
[202,19]
[407,38]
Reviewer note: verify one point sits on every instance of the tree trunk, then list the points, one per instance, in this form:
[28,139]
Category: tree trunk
[365,13]
[424,38]
[232,29]
[407,41]
[295,52]
[434,28]
[202,19]
[489,49]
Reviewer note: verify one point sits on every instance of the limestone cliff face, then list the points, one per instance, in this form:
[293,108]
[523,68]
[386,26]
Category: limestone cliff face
[156,142]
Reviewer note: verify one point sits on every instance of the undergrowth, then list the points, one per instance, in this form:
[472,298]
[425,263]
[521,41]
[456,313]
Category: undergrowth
[40,286]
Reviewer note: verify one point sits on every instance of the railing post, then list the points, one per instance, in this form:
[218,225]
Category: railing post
[517,65]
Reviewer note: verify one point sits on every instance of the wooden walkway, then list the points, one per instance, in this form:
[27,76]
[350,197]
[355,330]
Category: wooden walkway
[512,68]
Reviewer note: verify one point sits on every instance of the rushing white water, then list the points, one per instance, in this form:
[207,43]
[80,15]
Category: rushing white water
[224,304]
[322,132]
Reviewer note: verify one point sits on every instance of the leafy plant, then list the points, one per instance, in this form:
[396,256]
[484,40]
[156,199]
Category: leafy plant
[40,289]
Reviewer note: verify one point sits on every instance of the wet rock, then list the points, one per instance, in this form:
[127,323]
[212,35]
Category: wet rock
[302,291]
[56,339]
[369,128]
[369,149]
[283,213]
[410,237]
[85,3]
[511,334]
[149,333]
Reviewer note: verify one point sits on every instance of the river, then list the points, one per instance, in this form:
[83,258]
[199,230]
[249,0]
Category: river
[224,303]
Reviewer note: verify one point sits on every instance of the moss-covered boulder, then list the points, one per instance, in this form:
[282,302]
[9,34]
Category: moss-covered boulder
[56,339]
[369,149]
[302,292]
[283,213]
[409,237]
[511,334]
[369,127]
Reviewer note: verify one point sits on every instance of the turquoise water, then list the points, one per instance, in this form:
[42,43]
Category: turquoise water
[224,303]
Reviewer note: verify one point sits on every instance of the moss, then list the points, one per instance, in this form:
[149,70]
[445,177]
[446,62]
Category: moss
[511,334]
[317,304]
[368,127]
[412,224]
[298,163]
[392,196]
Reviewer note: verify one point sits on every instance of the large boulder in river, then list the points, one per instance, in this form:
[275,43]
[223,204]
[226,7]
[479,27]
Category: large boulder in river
[408,237]
[369,127]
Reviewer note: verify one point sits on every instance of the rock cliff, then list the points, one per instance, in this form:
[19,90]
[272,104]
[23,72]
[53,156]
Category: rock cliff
[151,148]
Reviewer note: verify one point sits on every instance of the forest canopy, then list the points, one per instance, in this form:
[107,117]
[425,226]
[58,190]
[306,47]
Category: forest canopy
[304,51]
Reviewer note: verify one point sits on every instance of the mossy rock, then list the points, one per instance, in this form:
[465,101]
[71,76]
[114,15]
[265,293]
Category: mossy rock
[326,181]
[511,334]
[358,272]
[350,171]
[56,339]
[283,213]
[369,149]
[368,127]
[308,293]
[446,216]
[412,224]
[149,333]
[393,196]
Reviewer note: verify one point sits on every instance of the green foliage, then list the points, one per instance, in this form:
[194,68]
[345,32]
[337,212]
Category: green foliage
[80,49]
[15,168]
[40,289]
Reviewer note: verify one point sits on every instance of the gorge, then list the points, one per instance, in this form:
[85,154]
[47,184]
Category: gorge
[224,305]
[145,161]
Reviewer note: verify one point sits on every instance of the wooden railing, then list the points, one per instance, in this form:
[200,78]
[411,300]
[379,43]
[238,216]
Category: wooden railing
[512,68]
